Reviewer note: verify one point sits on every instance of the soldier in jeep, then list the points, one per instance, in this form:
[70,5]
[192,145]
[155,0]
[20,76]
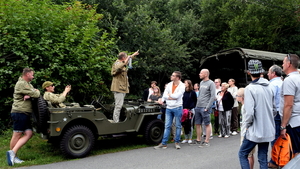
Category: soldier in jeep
[56,100]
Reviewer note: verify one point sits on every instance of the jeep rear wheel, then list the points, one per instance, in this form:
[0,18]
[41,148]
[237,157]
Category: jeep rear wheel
[77,142]
[154,131]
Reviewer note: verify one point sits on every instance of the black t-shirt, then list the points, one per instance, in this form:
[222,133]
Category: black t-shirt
[154,97]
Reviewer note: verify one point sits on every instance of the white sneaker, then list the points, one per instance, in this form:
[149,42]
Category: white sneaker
[184,141]
[160,146]
[10,157]
[226,136]
[190,141]
[234,133]
[177,146]
[18,161]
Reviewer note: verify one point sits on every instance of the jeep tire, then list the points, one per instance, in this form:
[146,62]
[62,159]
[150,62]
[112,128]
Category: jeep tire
[77,141]
[154,131]
[40,115]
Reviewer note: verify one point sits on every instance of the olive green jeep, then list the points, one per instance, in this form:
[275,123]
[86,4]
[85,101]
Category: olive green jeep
[76,129]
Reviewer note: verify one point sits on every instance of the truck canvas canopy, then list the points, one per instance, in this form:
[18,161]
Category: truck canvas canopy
[232,63]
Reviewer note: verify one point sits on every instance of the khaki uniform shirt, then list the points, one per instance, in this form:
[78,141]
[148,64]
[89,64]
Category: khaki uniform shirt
[120,80]
[23,88]
[55,99]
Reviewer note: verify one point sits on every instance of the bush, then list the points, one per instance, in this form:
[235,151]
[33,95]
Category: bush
[60,42]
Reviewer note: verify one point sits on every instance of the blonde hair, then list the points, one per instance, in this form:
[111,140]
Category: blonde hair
[158,93]
[226,85]
[241,92]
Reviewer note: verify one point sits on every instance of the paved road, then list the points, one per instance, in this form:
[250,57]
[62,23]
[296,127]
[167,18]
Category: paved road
[222,154]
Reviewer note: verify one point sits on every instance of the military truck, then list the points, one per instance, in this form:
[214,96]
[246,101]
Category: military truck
[75,129]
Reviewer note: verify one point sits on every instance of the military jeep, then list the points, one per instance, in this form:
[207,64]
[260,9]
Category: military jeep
[75,129]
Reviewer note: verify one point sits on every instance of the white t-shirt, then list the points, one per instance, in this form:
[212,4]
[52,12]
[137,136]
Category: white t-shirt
[150,92]
[219,103]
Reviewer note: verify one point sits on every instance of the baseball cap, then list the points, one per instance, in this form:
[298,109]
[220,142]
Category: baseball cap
[46,84]
[255,67]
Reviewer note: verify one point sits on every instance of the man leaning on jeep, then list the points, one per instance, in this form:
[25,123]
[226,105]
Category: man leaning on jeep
[56,100]
[21,115]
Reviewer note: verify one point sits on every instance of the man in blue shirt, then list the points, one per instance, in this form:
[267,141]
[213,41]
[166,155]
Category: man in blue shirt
[274,75]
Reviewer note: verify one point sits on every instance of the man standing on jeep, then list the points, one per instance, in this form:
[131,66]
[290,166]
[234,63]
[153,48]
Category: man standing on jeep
[20,114]
[55,99]
[120,84]
[173,96]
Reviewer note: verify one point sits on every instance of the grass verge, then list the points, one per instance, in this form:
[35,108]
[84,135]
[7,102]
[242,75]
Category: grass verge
[38,152]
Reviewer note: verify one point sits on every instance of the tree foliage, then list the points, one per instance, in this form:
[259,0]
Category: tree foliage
[263,24]
[62,43]
[255,24]
[76,42]
[143,26]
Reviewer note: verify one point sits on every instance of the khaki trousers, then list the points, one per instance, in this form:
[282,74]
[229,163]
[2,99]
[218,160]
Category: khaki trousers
[119,100]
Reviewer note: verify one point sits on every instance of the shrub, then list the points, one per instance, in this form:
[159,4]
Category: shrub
[62,43]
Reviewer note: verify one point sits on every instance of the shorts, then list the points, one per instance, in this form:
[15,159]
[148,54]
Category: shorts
[21,122]
[202,116]
[295,137]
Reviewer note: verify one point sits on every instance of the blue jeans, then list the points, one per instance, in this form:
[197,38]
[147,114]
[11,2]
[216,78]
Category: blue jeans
[170,114]
[277,128]
[262,153]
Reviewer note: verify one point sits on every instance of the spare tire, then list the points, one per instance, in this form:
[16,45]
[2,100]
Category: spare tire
[40,115]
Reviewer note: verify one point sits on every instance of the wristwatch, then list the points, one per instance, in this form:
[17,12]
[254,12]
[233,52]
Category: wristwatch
[282,128]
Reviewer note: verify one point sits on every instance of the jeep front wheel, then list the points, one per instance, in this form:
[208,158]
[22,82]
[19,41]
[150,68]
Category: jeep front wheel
[77,142]
[154,131]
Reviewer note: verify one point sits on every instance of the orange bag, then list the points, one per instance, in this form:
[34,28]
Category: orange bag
[282,151]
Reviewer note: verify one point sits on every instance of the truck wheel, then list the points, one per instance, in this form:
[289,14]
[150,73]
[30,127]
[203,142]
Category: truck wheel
[40,115]
[154,131]
[77,142]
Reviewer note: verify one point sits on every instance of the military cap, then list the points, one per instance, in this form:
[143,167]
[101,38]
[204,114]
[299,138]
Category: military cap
[46,84]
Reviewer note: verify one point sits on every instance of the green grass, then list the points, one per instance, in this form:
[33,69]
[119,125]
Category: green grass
[38,152]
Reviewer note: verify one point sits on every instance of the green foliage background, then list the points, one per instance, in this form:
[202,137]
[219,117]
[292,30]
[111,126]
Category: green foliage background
[62,43]
[75,42]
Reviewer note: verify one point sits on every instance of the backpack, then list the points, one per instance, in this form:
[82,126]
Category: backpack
[282,151]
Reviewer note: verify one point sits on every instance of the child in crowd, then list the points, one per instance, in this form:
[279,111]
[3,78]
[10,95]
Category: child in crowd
[240,98]
[155,95]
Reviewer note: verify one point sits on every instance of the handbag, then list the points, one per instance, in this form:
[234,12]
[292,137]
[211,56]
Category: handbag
[216,113]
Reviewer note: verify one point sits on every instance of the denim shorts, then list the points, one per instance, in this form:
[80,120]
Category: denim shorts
[202,116]
[295,137]
[21,122]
